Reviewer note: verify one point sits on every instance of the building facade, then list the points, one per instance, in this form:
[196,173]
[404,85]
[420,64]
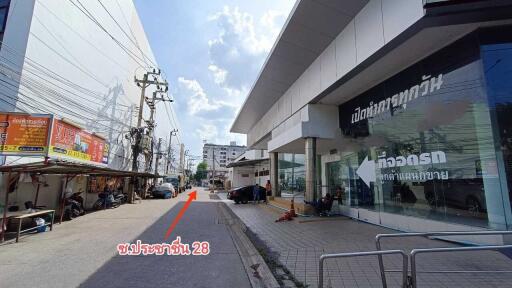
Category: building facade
[217,157]
[76,61]
[399,106]
[251,167]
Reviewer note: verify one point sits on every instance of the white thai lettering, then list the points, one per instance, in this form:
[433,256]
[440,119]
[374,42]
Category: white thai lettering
[425,84]
[435,83]
[413,93]
[412,160]
[403,97]
[425,159]
[438,157]
[401,161]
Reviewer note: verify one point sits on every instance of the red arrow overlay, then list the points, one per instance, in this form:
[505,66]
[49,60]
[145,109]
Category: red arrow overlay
[191,196]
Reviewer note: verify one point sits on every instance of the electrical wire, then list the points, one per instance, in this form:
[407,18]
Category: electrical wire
[31,65]
[30,84]
[91,17]
[128,36]
[67,60]
[41,105]
[33,85]
[83,38]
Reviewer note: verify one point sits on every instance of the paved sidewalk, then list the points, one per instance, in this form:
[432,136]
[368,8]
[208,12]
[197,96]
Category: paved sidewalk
[298,245]
[83,251]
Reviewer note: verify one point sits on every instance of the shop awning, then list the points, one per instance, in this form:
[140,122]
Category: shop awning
[244,163]
[59,167]
[70,168]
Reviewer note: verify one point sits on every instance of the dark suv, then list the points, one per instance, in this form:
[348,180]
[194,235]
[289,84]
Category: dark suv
[244,194]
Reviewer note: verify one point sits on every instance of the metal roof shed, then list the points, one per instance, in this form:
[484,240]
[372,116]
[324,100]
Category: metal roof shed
[59,167]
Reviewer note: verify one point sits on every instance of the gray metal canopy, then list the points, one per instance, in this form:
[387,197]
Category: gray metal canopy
[310,28]
[69,168]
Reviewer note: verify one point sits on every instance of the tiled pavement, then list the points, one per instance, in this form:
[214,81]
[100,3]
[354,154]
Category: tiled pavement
[300,243]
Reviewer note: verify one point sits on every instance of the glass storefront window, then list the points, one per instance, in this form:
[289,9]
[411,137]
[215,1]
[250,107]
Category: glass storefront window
[292,175]
[342,181]
[421,142]
[496,52]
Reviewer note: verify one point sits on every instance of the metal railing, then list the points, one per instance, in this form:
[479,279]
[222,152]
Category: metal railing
[438,234]
[361,254]
[415,252]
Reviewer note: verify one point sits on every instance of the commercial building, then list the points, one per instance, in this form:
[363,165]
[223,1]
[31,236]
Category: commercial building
[401,107]
[217,157]
[75,60]
[252,167]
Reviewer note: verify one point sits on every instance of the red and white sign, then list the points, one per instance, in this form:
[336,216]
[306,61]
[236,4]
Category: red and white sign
[69,141]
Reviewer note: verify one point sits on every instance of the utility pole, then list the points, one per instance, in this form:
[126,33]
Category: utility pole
[151,122]
[157,160]
[213,176]
[185,162]
[169,149]
[136,133]
[213,163]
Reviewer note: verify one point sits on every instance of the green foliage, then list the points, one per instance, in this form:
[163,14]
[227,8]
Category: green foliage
[201,171]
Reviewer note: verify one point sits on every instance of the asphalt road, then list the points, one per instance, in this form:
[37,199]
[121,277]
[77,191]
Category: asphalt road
[90,259]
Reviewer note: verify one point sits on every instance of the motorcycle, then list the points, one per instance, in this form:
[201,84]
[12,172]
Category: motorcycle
[106,200]
[121,197]
[73,206]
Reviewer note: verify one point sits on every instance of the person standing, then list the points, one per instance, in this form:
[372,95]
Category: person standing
[268,190]
[256,193]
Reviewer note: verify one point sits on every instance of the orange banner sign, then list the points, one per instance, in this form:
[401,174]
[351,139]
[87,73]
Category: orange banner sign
[24,134]
[73,143]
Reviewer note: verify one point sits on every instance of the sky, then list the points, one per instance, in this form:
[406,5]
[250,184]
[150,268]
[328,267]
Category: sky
[211,52]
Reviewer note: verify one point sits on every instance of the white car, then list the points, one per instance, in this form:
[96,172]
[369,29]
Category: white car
[165,190]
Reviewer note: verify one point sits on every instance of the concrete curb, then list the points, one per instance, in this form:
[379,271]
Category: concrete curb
[257,270]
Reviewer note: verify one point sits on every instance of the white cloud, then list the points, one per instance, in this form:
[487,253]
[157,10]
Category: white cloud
[200,105]
[236,55]
[197,101]
[240,26]
[238,51]
[219,74]
[207,131]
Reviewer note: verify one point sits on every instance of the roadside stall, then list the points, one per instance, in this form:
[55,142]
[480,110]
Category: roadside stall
[68,171]
[71,161]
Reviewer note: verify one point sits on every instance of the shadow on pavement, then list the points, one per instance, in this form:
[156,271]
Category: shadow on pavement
[221,268]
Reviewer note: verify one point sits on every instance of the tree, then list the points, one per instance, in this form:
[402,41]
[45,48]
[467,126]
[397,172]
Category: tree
[201,171]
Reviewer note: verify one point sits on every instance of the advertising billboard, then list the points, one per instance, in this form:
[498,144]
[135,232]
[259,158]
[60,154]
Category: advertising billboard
[24,134]
[70,142]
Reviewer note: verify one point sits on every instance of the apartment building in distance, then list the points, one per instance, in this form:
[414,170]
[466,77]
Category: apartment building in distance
[217,157]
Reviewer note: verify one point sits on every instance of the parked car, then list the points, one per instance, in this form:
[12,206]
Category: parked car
[244,194]
[165,191]
[468,194]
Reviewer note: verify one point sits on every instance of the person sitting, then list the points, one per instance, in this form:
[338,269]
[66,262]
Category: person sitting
[322,206]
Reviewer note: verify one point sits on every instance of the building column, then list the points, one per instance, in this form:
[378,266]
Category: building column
[310,159]
[274,174]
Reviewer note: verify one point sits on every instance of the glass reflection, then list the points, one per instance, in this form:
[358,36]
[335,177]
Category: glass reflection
[434,151]
[292,175]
